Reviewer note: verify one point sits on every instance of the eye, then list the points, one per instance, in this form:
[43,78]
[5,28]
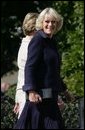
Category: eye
[47,21]
[53,22]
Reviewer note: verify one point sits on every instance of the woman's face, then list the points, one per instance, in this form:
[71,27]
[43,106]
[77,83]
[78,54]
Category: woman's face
[49,25]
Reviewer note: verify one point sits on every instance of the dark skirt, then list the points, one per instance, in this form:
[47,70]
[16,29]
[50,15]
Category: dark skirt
[45,115]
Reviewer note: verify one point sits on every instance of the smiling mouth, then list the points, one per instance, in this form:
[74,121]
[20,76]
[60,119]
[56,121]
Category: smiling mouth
[49,29]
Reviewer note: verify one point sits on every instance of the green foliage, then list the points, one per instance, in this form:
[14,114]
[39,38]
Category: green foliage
[11,91]
[71,44]
[70,115]
[8,118]
[10,39]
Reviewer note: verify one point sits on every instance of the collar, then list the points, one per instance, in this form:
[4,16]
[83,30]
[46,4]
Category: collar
[44,35]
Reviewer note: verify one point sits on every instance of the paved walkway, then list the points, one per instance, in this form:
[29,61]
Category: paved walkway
[10,77]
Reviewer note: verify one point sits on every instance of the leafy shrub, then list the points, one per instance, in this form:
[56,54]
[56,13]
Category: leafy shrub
[71,115]
[8,117]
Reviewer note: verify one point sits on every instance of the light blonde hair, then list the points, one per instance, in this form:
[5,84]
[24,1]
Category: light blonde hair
[29,23]
[54,14]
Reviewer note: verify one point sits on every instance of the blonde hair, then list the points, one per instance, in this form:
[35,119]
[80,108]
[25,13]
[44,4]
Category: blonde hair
[29,23]
[54,14]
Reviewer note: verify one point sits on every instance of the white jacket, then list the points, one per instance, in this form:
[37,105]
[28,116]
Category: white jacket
[20,96]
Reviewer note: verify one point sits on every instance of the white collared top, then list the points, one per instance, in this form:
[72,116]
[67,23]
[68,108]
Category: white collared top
[21,61]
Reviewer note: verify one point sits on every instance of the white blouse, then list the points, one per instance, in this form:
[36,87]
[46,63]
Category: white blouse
[20,96]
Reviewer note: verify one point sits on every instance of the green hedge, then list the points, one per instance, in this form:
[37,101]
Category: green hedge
[8,118]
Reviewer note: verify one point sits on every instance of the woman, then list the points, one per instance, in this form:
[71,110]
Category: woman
[28,30]
[42,76]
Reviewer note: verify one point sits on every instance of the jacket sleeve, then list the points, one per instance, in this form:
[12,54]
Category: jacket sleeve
[34,53]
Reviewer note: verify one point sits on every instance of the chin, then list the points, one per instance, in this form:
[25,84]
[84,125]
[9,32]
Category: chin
[48,33]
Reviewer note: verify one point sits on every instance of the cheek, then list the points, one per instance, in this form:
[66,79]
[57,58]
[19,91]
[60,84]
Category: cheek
[54,28]
[44,27]
[44,24]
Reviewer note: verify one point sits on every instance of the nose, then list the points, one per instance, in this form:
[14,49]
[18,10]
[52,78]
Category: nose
[50,23]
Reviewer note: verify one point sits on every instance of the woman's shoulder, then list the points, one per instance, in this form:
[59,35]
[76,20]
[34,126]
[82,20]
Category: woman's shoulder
[26,40]
[37,37]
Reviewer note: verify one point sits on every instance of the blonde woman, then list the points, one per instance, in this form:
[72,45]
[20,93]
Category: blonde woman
[28,30]
[42,76]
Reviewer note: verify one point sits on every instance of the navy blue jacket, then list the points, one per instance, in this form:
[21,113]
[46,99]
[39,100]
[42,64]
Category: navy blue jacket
[42,68]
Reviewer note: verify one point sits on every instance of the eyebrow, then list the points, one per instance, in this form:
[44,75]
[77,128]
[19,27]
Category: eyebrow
[50,20]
